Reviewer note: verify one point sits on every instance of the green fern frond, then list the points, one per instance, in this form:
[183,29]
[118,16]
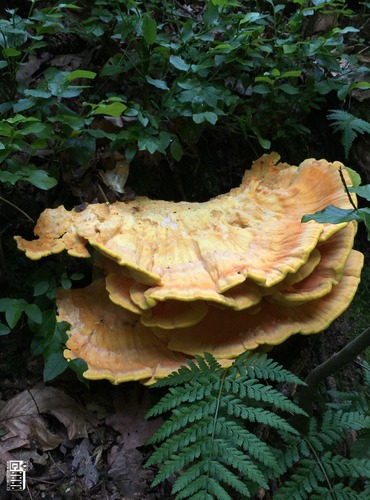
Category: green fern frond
[261,367]
[338,491]
[235,407]
[207,436]
[349,126]
[190,373]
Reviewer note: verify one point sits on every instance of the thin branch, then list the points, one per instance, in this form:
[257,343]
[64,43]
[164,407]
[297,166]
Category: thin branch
[17,208]
[334,363]
[346,188]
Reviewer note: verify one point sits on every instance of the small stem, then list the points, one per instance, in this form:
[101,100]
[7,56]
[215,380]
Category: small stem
[346,188]
[17,208]
[334,363]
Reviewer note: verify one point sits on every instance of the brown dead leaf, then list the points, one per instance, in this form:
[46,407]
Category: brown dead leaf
[84,465]
[127,471]
[24,425]
[129,420]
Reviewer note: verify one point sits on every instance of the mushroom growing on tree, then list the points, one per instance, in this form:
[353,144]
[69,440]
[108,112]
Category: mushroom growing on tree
[229,274]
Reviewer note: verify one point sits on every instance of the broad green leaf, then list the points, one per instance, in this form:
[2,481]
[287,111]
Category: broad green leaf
[333,215]
[40,287]
[148,143]
[6,302]
[80,73]
[55,364]
[208,116]
[13,312]
[149,30]
[10,177]
[40,179]
[11,52]
[73,121]
[288,89]
[79,366]
[5,129]
[160,84]
[23,104]
[3,64]
[355,177]
[251,17]
[34,128]
[37,93]
[4,330]
[363,191]
[291,74]
[179,63]
[111,109]
[33,312]
[176,150]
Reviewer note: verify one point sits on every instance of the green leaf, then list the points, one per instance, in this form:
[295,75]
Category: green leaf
[288,89]
[176,150]
[55,364]
[11,52]
[13,312]
[363,191]
[80,73]
[79,366]
[23,104]
[355,177]
[159,84]
[4,330]
[208,116]
[333,215]
[149,30]
[37,93]
[148,143]
[179,63]
[40,179]
[33,312]
[3,64]
[112,109]
[10,177]
[40,287]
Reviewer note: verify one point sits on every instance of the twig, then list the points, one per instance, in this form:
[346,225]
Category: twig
[346,188]
[17,208]
[334,363]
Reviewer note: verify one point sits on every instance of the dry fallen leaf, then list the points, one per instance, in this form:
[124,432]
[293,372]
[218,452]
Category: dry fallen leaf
[23,423]
[129,417]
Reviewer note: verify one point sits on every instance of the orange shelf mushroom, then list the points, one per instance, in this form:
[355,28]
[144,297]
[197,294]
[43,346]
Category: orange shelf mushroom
[232,273]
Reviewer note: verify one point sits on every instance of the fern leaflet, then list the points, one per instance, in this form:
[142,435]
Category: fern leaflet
[349,126]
